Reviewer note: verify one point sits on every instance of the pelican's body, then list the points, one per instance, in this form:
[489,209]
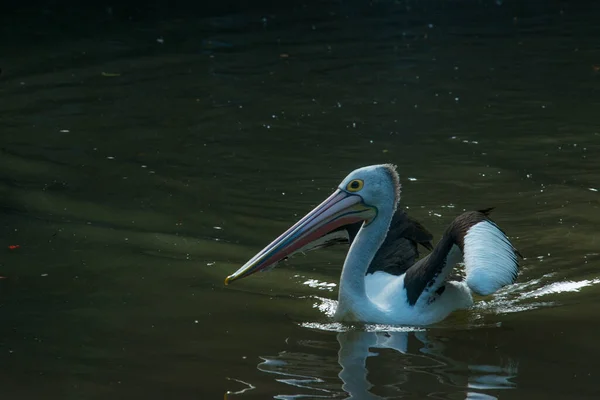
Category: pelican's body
[389,304]
[416,294]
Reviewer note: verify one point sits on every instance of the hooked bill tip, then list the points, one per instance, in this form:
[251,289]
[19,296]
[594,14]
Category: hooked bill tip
[228,280]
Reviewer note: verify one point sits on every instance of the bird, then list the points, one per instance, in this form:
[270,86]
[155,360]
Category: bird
[405,292]
[399,250]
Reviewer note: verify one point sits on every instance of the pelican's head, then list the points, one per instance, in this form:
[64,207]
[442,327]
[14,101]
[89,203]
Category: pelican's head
[376,184]
[357,200]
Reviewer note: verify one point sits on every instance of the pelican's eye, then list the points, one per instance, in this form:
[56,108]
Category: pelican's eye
[355,185]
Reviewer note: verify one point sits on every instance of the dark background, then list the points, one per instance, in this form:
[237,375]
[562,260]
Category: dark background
[136,175]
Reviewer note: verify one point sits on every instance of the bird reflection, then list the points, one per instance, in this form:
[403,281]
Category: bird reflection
[313,376]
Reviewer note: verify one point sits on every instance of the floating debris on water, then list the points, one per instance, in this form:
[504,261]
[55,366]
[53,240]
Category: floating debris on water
[249,386]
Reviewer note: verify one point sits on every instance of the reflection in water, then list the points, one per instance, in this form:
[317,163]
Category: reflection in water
[305,371]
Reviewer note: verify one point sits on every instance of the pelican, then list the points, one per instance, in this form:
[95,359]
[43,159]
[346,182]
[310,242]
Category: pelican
[420,294]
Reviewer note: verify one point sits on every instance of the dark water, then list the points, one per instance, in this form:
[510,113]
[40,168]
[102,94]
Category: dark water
[142,160]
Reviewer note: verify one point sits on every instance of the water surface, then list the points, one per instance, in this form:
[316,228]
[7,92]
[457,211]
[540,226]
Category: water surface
[144,159]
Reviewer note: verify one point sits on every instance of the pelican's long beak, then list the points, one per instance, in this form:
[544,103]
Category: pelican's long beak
[341,208]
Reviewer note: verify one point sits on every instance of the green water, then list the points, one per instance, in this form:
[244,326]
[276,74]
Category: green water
[144,160]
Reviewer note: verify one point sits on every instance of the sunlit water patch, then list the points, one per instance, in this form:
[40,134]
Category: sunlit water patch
[529,295]
[315,283]
[561,287]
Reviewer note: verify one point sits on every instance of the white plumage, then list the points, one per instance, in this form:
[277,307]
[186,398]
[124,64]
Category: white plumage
[490,259]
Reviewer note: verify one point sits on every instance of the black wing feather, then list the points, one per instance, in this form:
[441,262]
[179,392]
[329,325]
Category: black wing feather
[399,250]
